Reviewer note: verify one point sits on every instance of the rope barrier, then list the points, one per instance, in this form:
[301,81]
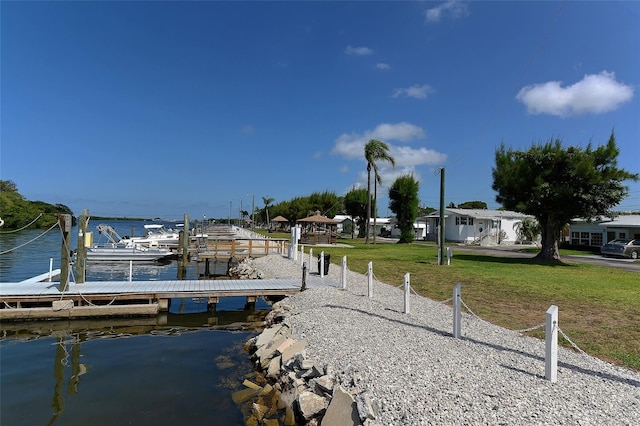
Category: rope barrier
[28,242]
[24,227]
[571,341]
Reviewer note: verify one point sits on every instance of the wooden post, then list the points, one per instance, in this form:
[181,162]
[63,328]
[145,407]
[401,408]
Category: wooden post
[407,293]
[81,255]
[303,287]
[370,280]
[457,311]
[64,220]
[344,272]
[551,344]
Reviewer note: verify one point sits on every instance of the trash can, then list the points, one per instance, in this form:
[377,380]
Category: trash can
[327,260]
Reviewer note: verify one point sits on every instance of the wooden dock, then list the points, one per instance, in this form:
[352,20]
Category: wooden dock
[44,300]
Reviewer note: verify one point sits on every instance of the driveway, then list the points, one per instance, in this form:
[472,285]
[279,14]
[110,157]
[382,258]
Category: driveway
[516,252]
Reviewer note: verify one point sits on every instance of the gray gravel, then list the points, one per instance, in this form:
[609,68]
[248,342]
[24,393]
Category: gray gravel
[418,374]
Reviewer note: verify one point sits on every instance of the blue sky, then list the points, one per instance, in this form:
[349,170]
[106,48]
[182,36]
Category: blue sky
[166,108]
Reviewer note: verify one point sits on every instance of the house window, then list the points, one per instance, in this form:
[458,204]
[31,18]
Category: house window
[622,235]
[596,239]
[584,238]
[575,238]
[462,220]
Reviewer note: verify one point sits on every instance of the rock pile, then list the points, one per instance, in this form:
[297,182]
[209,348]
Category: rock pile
[302,391]
[245,270]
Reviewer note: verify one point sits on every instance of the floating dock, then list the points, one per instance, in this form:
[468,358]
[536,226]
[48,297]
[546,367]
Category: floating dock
[44,300]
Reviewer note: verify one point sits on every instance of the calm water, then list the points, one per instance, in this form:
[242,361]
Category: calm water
[176,369]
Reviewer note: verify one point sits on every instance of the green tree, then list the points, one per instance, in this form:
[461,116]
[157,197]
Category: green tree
[527,230]
[403,201]
[555,185]
[267,202]
[473,205]
[374,151]
[355,205]
[17,212]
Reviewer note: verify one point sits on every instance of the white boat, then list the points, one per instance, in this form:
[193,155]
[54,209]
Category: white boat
[119,249]
[126,252]
[157,235]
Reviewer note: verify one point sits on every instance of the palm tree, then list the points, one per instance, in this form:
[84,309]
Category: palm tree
[374,150]
[267,201]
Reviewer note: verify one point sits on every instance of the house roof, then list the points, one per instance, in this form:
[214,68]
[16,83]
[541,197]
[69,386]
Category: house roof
[317,219]
[632,220]
[482,213]
[341,218]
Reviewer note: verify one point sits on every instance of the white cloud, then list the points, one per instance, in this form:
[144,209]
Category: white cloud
[359,51]
[415,91]
[594,94]
[452,8]
[383,66]
[351,146]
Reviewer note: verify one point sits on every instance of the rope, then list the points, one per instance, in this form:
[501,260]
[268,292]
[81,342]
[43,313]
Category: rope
[535,327]
[26,226]
[29,242]
[571,341]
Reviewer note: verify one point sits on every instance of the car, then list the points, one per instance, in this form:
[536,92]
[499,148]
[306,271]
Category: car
[622,247]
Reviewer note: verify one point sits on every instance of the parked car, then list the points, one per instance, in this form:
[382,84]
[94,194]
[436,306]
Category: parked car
[622,247]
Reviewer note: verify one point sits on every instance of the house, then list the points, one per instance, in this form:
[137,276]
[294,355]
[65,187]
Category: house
[599,231]
[420,228]
[345,224]
[476,226]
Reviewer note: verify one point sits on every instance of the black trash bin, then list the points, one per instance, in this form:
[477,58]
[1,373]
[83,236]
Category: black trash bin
[327,260]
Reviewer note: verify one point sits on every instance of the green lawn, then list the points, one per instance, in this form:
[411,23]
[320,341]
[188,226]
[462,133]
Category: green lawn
[599,307]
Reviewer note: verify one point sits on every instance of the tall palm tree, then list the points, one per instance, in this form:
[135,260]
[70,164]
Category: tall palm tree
[374,151]
[267,202]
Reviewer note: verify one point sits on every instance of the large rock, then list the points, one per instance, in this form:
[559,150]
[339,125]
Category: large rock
[342,410]
[311,405]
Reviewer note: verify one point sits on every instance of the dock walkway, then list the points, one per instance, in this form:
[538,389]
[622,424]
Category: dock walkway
[122,298]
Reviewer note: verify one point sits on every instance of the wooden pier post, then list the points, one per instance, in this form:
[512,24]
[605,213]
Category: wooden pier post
[64,220]
[81,255]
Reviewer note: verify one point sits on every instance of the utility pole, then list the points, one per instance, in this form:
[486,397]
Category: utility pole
[441,227]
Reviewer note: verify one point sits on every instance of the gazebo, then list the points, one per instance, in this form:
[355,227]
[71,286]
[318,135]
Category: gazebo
[318,229]
[279,224]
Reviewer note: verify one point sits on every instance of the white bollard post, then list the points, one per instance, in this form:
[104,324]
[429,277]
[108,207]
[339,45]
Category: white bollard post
[457,311]
[370,280]
[407,292]
[322,264]
[551,344]
[50,269]
[344,272]
[310,259]
[130,270]
[449,255]
[293,246]
[301,254]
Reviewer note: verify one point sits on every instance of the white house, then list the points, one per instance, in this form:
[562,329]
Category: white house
[601,230]
[345,223]
[476,226]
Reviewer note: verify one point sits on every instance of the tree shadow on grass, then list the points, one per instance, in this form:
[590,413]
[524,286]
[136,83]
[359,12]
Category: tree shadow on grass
[510,260]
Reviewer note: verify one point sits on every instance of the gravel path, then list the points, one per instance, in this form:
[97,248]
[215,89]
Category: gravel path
[418,374]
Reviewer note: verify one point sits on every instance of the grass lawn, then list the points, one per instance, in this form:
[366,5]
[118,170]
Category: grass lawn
[599,307]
